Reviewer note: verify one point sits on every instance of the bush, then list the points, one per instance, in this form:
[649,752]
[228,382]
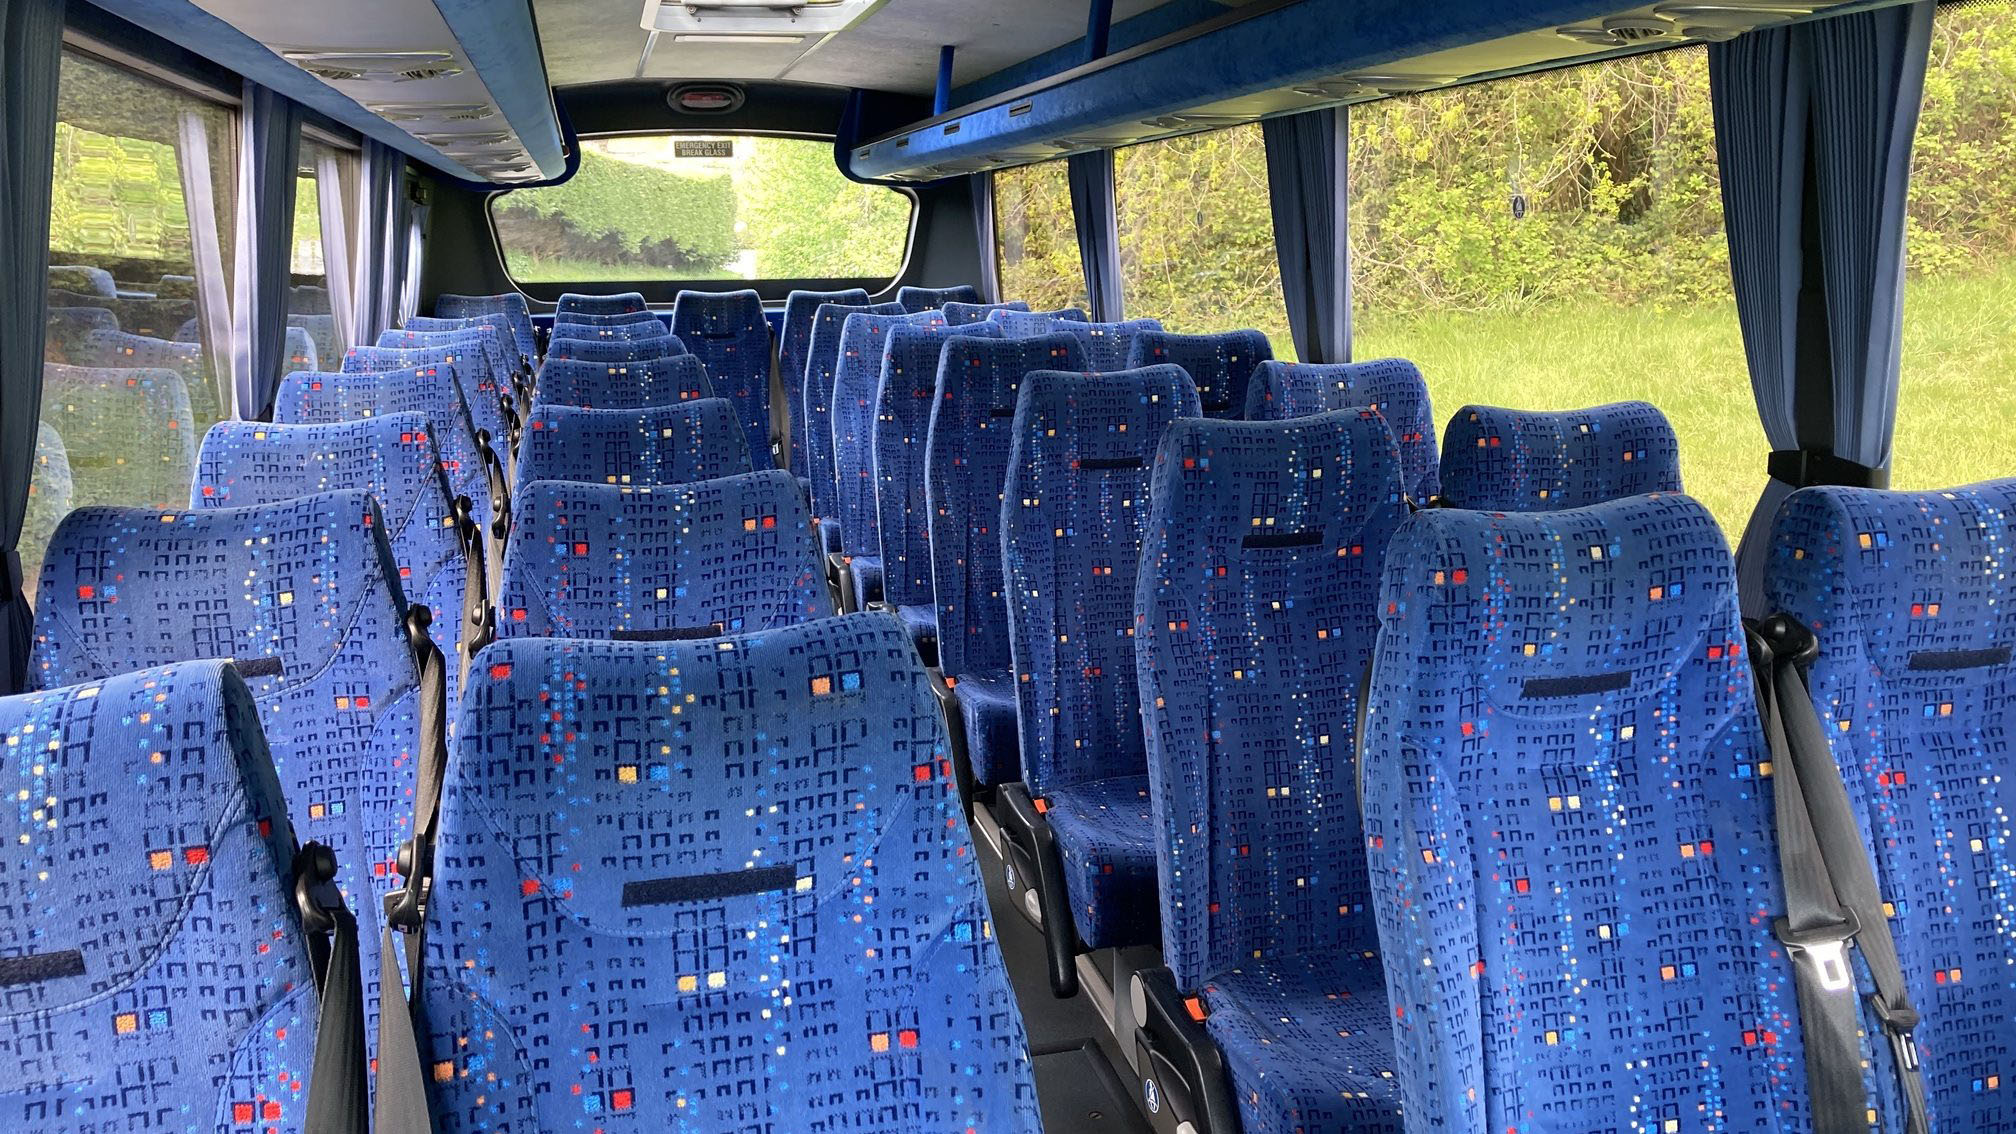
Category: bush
[665,224]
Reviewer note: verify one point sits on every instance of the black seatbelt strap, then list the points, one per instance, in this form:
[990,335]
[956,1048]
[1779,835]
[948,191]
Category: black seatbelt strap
[479,618]
[336,1083]
[500,508]
[1844,854]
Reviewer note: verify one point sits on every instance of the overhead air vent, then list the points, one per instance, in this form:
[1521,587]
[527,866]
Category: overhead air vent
[374,66]
[1722,21]
[485,138]
[1622,31]
[431,111]
[1401,84]
[750,17]
[1335,89]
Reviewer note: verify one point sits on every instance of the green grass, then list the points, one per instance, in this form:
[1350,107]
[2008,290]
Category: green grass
[1956,415]
[563,271]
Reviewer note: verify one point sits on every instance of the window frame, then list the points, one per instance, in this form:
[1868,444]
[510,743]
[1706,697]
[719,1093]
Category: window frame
[662,292]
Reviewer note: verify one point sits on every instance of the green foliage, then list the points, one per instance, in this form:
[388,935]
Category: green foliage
[804,221]
[642,221]
[1037,244]
[116,198]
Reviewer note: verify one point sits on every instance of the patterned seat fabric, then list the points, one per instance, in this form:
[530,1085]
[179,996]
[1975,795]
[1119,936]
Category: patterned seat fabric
[304,596]
[966,466]
[1108,346]
[1026,324]
[660,445]
[727,331]
[155,318]
[624,385]
[1257,596]
[155,929]
[1910,593]
[50,494]
[510,306]
[114,348]
[173,286]
[676,561]
[483,343]
[504,356]
[321,331]
[467,364]
[903,402]
[299,349]
[575,303]
[1221,365]
[794,346]
[1569,825]
[640,325]
[915,299]
[308,299]
[127,432]
[69,327]
[1074,505]
[563,346]
[749,845]
[815,430]
[1393,386]
[966,314]
[82,279]
[1501,460]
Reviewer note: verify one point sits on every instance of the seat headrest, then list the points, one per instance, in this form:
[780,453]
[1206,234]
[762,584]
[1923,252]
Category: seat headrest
[673,444]
[1104,421]
[392,457]
[1503,460]
[1393,386]
[719,314]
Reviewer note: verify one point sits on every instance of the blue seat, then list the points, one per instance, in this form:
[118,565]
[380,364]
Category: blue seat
[903,401]
[68,327]
[857,376]
[1221,364]
[321,332]
[1502,460]
[1258,606]
[794,345]
[915,299]
[1393,386]
[465,363]
[115,348]
[623,303]
[1910,595]
[505,355]
[82,279]
[299,348]
[730,884]
[564,346]
[127,430]
[1071,525]
[676,561]
[1026,324]
[1108,346]
[304,596]
[49,492]
[639,325]
[815,429]
[150,876]
[155,318]
[485,341]
[966,468]
[623,385]
[1569,830]
[966,314]
[511,306]
[659,445]
[727,331]
[308,299]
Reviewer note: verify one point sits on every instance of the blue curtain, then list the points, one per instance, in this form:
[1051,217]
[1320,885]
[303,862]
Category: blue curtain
[1098,227]
[981,186]
[379,264]
[1308,186]
[269,159]
[34,38]
[1814,125]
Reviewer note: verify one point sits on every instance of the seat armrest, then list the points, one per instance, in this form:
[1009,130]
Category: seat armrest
[840,571]
[1025,826]
[956,741]
[1177,1059]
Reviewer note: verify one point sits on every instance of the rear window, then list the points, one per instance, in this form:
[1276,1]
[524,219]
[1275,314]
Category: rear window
[682,207]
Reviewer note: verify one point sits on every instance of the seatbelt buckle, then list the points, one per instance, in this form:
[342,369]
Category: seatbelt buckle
[1822,950]
[1901,1026]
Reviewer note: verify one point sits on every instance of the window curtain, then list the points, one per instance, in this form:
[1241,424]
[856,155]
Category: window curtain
[379,258]
[335,202]
[1308,184]
[1098,225]
[269,161]
[213,291]
[981,186]
[413,255]
[1814,124]
[28,69]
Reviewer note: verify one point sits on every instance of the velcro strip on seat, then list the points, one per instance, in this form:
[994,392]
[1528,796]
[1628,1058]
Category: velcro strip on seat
[709,887]
[1959,659]
[1582,686]
[38,967]
[668,634]
[1100,463]
[258,667]
[1308,537]
[1001,411]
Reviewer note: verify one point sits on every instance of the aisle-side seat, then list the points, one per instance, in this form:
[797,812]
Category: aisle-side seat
[966,469]
[566,346]
[467,365]
[1257,610]
[659,445]
[737,882]
[1568,813]
[489,340]
[915,299]
[895,457]
[1027,324]
[623,385]
[1504,460]
[578,303]
[506,354]
[1071,523]
[960,314]
[794,345]
[1221,364]
[1392,386]
[128,432]
[693,560]
[150,868]
[511,306]
[1108,346]
[728,332]
[1910,595]
[113,348]
[815,432]
[641,325]
[303,595]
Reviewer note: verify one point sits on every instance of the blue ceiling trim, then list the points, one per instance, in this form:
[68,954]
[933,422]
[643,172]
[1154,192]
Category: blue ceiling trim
[501,41]
[1151,24]
[193,28]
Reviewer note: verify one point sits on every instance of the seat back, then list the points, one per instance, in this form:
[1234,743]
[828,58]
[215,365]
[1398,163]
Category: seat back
[915,299]
[304,596]
[510,306]
[485,341]
[1502,460]
[635,325]
[1909,593]
[466,364]
[1025,324]
[1393,386]
[50,493]
[822,363]
[659,445]
[309,299]
[299,348]
[68,328]
[152,871]
[966,314]
[966,469]
[728,332]
[127,430]
[1258,589]
[857,377]
[1568,814]
[1075,503]
[115,348]
[173,286]
[1108,346]
[82,279]
[504,356]
[794,344]
[575,303]
[566,346]
[321,332]
[1221,364]
[155,318]
[903,401]
[624,385]
[759,851]
[653,564]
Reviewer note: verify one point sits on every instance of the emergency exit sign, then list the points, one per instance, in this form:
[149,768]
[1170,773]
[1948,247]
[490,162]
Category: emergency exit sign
[698,148]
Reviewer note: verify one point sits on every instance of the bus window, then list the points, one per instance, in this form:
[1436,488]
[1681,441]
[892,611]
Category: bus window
[686,207]
[319,267]
[1034,238]
[1197,236]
